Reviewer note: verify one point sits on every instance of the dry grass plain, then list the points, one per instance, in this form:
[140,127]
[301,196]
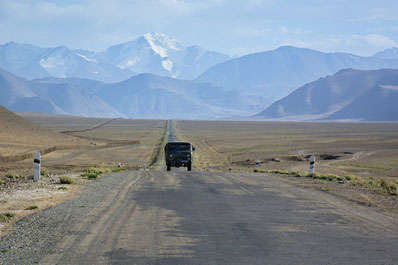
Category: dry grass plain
[364,150]
[72,144]
[126,141]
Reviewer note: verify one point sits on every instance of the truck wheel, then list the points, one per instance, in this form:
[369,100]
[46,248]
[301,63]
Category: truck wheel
[189,167]
[168,167]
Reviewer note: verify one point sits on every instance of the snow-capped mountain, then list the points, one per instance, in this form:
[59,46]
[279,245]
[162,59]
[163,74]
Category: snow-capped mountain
[31,62]
[159,54]
[151,53]
[62,62]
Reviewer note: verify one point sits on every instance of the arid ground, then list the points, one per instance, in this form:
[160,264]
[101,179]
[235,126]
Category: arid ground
[369,150]
[350,157]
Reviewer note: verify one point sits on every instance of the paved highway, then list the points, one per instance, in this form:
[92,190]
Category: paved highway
[153,217]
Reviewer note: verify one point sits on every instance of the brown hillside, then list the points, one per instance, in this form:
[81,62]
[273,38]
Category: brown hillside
[18,135]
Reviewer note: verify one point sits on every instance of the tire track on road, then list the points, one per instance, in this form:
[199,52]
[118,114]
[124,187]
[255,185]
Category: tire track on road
[93,226]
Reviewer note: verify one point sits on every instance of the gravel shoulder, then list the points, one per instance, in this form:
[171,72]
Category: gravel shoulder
[35,235]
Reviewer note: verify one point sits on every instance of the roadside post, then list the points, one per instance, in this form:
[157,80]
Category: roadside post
[36,166]
[312,164]
[257,163]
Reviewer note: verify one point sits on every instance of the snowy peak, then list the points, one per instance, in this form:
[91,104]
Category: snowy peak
[161,55]
[161,43]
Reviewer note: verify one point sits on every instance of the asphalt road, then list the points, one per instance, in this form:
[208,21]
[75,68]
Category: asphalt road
[153,217]
[180,217]
[170,131]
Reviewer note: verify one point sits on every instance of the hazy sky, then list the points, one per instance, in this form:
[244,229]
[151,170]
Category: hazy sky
[231,26]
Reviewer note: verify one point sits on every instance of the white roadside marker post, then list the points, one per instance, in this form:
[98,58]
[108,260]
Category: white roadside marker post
[257,163]
[312,164]
[36,167]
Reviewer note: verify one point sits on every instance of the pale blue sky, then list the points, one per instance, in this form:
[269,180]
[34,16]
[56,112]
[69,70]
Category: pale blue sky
[231,26]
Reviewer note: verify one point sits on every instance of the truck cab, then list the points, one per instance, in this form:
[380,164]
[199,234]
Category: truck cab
[178,154]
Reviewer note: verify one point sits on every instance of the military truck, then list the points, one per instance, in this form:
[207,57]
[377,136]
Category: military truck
[178,154]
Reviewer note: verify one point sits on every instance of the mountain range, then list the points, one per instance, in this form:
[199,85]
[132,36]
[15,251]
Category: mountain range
[151,53]
[348,95]
[141,96]
[155,76]
[274,74]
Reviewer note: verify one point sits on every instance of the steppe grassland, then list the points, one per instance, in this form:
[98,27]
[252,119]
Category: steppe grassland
[363,149]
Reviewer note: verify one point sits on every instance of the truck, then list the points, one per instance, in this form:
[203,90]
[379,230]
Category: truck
[178,154]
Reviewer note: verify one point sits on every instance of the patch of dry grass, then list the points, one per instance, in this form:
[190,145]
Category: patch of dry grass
[380,185]
[66,180]
[126,141]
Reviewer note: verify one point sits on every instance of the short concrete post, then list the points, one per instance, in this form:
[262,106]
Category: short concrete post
[312,165]
[36,167]
[257,163]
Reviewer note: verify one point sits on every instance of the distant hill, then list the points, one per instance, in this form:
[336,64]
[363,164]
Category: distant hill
[12,123]
[377,104]
[57,97]
[335,94]
[12,88]
[274,74]
[148,95]
[26,136]
[387,54]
